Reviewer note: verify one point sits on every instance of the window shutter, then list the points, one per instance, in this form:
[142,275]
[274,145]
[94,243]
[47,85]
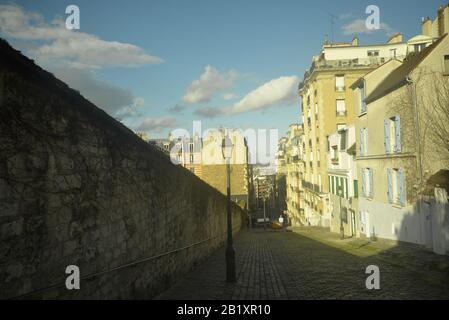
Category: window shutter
[397,124]
[343,136]
[401,181]
[364,183]
[361,142]
[366,142]
[339,82]
[371,182]
[390,186]
[362,99]
[387,137]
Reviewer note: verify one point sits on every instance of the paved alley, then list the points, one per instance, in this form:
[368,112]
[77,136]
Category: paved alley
[311,263]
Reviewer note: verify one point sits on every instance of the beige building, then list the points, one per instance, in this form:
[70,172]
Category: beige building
[294,166]
[204,158]
[328,106]
[397,155]
[213,169]
[343,182]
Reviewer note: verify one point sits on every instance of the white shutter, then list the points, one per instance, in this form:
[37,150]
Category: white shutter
[339,82]
[341,106]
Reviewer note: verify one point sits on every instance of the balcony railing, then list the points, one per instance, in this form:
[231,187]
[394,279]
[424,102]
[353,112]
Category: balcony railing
[311,186]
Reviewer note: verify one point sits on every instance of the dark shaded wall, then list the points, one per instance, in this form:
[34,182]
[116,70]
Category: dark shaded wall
[79,188]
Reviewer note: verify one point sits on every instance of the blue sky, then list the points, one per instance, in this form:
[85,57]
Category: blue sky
[162,47]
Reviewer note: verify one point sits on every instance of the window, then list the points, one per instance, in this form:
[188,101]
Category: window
[393,53]
[363,141]
[316,108]
[373,53]
[362,98]
[419,47]
[446,64]
[341,107]
[191,158]
[392,135]
[334,155]
[356,188]
[343,139]
[191,147]
[367,182]
[396,186]
[340,83]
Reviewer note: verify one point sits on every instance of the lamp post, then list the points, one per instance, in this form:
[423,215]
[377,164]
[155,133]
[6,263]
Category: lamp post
[342,230]
[227,148]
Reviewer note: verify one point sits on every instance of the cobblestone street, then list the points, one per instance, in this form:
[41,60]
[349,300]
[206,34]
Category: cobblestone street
[311,263]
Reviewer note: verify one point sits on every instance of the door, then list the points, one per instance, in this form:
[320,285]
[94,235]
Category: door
[353,225]
[367,225]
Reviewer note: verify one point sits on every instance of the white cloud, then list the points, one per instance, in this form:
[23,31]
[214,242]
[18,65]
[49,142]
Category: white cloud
[277,92]
[229,96]
[60,46]
[210,82]
[273,93]
[358,26]
[156,124]
[116,101]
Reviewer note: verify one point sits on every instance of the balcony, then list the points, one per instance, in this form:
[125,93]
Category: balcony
[311,186]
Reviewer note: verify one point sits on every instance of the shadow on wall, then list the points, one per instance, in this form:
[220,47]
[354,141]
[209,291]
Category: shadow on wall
[79,188]
[427,222]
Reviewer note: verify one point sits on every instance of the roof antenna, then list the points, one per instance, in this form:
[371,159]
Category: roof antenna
[332,20]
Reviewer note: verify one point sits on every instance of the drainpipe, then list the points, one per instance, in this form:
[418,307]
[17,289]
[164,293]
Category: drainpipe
[417,131]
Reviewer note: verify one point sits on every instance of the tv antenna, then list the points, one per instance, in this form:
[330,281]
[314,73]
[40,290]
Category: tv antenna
[332,18]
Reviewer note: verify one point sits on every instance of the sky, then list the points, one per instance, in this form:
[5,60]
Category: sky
[160,65]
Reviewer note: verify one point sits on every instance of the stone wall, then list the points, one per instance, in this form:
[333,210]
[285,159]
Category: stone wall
[79,188]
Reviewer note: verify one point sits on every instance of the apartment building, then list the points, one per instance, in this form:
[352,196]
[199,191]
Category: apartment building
[397,157]
[281,175]
[294,167]
[343,182]
[328,106]
[213,169]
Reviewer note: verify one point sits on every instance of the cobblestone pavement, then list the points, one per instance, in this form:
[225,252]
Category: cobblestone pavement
[311,263]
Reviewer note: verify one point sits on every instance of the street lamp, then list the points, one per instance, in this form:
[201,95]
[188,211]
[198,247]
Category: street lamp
[342,230]
[227,148]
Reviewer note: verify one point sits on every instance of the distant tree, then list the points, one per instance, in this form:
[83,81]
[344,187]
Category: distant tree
[429,120]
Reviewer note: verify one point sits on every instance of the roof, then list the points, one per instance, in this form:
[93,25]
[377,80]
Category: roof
[359,81]
[419,38]
[397,77]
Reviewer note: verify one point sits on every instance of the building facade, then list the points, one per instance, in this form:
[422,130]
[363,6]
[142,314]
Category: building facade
[328,106]
[343,182]
[294,167]
[396,154]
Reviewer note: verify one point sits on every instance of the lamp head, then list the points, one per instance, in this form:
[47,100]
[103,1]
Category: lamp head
[226,148]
